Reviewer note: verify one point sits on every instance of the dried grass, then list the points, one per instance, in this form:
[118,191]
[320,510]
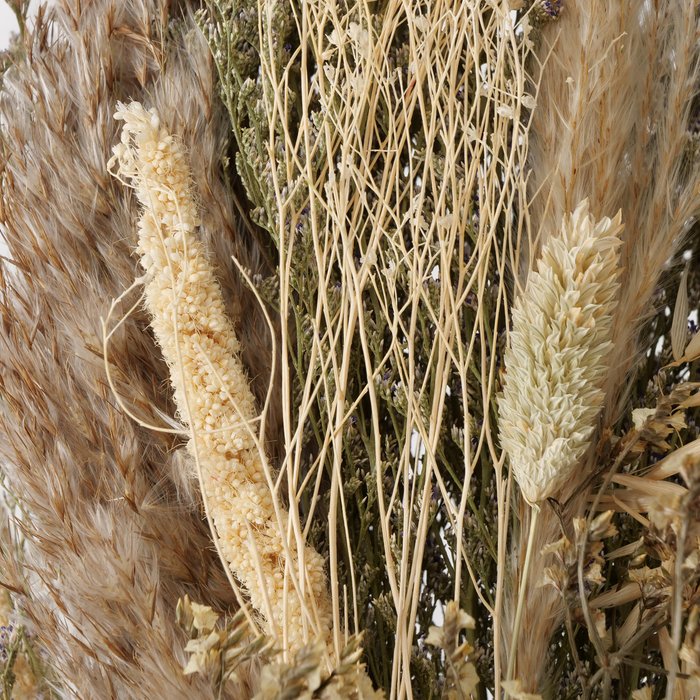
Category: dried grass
[618,84]
[382,218]
[389,152]
[614,125]
[113,533]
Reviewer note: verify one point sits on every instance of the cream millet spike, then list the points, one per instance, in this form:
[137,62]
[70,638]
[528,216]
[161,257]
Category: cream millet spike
[211,387]
[556,363]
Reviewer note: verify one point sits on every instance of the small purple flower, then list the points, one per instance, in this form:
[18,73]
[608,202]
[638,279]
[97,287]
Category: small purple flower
[5,635]
[552,7]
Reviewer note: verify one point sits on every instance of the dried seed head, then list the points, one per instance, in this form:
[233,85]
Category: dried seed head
[210,384]
[556,360]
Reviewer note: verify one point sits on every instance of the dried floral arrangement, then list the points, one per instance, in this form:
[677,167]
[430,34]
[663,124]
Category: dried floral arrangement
[351,350]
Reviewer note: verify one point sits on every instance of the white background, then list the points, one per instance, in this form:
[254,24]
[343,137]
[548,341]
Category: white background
[8,25]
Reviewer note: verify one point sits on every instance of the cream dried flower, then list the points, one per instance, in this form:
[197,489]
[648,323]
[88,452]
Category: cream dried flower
[556,360]
[211,388]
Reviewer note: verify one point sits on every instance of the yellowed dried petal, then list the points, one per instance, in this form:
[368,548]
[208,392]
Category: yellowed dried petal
[692,351]
[204,618]
[641,415]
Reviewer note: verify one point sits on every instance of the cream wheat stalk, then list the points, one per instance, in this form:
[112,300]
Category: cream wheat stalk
[211,388]
[556,363]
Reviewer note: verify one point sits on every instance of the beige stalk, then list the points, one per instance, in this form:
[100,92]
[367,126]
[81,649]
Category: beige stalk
[556,364]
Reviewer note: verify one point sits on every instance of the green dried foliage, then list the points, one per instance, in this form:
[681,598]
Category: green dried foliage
[400,314]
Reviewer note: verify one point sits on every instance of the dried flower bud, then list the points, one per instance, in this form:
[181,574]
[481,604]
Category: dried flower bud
[557,357]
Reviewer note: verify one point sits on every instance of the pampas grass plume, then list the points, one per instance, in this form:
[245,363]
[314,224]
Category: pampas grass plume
[556,359]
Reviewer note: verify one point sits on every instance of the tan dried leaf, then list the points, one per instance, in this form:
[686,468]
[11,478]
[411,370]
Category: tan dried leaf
[467,682]
[602,528]
[679,327]
[693,401]
[557,577]
[515,690]
[692,352]
[435,637]
[204,618]
[641,415]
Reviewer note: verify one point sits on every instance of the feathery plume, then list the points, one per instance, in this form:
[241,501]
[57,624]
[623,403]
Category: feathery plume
[211,387]
[614,124]
[112,531]
[556,360]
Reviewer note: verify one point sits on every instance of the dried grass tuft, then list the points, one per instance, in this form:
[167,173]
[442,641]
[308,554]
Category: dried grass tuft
[113,535]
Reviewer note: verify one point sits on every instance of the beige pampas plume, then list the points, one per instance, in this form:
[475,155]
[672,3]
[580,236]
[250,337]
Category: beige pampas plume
[113,534]
[285,583]
[557,358]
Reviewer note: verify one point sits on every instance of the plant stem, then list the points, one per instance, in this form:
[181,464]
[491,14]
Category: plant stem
[521,592]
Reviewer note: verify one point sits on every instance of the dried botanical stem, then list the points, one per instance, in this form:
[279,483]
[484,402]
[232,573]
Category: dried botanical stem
[524,576]
[556,364]
[618,88]
[613,125]
[410,215]
[677,606]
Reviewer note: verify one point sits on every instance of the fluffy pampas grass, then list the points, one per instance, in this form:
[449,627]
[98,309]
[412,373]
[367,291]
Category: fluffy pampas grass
[113,534]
